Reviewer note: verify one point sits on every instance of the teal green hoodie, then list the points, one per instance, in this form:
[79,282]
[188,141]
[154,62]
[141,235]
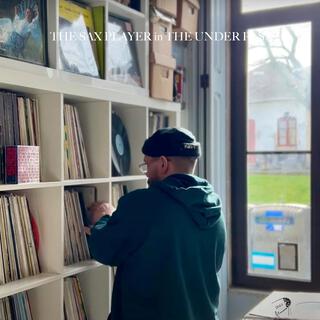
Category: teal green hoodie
[168,243]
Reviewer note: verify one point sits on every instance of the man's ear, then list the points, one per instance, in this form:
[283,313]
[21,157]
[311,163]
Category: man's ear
[164,163]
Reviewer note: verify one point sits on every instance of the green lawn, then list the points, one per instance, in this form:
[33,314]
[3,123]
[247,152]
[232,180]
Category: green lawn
[278,189]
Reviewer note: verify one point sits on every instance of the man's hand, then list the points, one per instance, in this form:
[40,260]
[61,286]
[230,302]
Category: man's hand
[99,209]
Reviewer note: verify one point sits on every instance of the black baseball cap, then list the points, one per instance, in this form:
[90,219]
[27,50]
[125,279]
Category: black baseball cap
[174,142]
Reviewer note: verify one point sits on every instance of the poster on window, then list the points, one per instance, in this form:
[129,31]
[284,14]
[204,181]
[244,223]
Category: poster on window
[22,30]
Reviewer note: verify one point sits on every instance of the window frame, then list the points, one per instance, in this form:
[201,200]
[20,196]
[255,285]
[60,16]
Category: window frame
[241,22]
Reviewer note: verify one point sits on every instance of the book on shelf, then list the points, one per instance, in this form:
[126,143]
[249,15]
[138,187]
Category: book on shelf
[157,120]
[18,252]
[178,78]
[75,242]
[76,164]
[16,306]
[19,123]
[77,48]
[73,300]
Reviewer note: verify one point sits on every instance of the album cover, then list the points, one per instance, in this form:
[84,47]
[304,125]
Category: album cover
[78,54]
[23,30]
[122,54]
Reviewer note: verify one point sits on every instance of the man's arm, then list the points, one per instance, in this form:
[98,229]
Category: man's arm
[114,238]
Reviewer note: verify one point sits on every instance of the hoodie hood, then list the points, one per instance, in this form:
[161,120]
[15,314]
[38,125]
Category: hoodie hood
[196,195]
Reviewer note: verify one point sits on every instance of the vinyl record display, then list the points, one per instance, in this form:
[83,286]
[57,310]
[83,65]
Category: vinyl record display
[120,147]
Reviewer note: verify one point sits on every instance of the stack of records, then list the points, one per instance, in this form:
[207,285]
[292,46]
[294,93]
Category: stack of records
[75,158]
[19,123]
[120,147]
[15,307]
[18,258]
[75,242]
[118,190]
[87,196]
[157,120]
[73,300]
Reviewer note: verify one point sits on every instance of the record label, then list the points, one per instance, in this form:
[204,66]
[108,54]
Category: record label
[119,145]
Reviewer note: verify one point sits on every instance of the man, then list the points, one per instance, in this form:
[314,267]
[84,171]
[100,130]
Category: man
[167,241]
[29,23]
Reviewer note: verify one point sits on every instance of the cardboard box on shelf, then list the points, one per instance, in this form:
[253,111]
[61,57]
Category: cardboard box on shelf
[161,29]
[168,7]
[161,76]
[187,16]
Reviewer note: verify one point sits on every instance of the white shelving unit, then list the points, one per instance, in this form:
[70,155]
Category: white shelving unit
[95,100]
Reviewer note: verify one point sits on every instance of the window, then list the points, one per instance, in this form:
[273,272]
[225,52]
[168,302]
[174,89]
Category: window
[258,5]
[287,132]
[275,153]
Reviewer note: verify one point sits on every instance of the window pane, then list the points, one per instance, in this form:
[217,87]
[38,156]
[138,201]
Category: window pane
[278,217]
[279,178]
[258,5]
[279,82]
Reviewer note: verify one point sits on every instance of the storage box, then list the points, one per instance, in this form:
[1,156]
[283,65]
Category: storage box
[22,164]
[161,30]
[187,16]
[168,7]
[161,76]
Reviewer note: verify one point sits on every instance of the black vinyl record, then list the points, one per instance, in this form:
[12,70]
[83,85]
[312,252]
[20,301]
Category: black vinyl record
[120,147]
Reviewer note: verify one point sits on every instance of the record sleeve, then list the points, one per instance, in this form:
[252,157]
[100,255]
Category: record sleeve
[23,30]
[122,55]
[77,53]
[120,147]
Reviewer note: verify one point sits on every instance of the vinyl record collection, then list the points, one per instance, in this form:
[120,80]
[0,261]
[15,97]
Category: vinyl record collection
[18,257]
[118,190]
[19,123]
[75,158]
[157,120]
[75,242]
[15,307]
[73,301]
